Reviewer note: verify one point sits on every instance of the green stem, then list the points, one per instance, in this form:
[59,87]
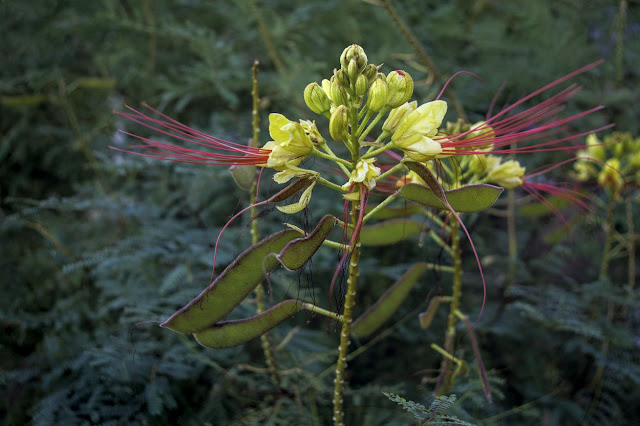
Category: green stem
[345,333]
[364,122]
[336,187]
[333,158]
[318,310]
[326,147]
[255,234]
[399,166]
[380,206]
[380,150]
[445,381]
[375,121]
[513,242]
[608,229]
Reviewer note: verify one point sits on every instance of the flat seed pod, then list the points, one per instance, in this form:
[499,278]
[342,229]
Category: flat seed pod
[233,333]
[389,232]
[231,287]
[388,303]
[468,199]
[298,252]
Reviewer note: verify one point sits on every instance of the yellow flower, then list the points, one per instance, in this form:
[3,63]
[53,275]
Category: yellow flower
[290,144]
[413,133]
[508,174]
[365,172]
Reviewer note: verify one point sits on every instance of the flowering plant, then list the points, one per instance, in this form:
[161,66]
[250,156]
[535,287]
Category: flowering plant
[455,169]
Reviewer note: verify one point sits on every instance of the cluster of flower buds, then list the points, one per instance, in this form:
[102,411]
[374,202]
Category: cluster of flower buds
[611,162]
[355,81]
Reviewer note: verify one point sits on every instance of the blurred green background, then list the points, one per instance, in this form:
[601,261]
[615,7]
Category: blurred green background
[96,244]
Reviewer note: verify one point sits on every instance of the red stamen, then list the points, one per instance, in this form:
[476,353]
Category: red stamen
[240,154]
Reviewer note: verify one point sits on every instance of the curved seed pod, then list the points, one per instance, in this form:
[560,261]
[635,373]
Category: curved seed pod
[395,212]
[298,252]
[291,190]
[426,318]
[231,287]
[468,199]
[389,232]
[388,303]
[233,333]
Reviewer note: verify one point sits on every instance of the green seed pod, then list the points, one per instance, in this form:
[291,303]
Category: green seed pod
[316,99]
[353,52]
[339,123]
[378,94]
[362,84]
[400,88]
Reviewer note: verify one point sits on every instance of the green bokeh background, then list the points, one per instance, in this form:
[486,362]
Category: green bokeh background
[95,243]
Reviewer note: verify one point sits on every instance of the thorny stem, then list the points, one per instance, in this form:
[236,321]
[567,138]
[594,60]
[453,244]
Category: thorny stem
[422,54]
[513,242]
[445,380]
[318,310]
[255,234]
[345,333]
[631,252]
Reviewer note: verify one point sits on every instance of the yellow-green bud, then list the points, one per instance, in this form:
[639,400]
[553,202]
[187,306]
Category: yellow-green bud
[400,88]
[341,77]
[353,52]
[370,71]
[338,93]
[377,97]
[352,70]
[609,177]
[339,123]
[316,99]
[362,84]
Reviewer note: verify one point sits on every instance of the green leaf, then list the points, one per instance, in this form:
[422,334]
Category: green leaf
[388,303]
[395,212]
[233,333]
[298,252]
[232,285]
[389,232]
[468,199]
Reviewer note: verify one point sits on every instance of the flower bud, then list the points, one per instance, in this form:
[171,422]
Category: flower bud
[362,84]
[339,123]
[316,99]
[370,71]
[342,77]
[352,70]
[377,97]
[400,88]
[353,52]
[338,93]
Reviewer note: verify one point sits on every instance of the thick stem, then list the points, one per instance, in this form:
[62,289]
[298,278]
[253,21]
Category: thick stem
[345,333]
[445,380]
[255,233]
[513,242]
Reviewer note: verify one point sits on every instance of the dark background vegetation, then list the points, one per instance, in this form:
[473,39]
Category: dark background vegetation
[95,243]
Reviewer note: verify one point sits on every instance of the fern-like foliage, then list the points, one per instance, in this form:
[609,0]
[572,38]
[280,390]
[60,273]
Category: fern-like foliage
[436,414]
